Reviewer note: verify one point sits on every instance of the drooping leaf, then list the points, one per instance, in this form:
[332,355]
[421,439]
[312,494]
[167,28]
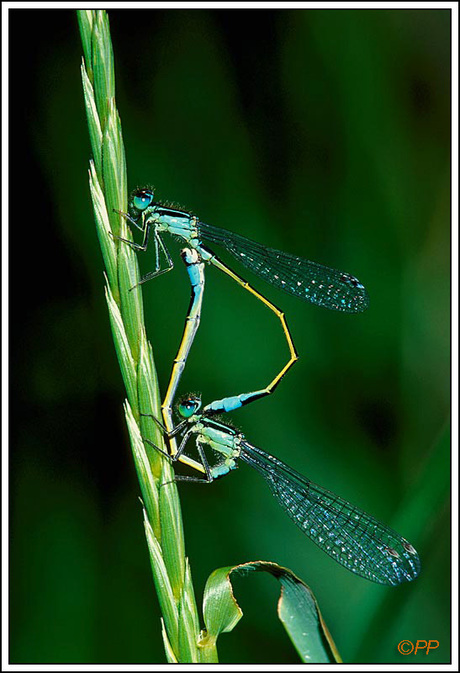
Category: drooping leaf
[297,609]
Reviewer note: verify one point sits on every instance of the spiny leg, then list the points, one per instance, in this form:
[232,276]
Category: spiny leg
[144,227]
[180,450]
[158,272]
[157,448]
[130,219]
[169,433]
[208,479]
[187,460]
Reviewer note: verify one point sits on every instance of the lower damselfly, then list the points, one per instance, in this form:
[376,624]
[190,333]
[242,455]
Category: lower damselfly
[351,537]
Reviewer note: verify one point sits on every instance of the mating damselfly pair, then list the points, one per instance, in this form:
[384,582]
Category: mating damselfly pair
[354,539]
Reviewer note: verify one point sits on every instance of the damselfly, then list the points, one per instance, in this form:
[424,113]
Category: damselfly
[304,279]
[351,537]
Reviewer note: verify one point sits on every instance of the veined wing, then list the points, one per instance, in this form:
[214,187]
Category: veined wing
[350,536]
[310,281]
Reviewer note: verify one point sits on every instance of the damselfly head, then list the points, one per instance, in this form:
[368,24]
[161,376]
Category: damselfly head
[189,405]
[140,199]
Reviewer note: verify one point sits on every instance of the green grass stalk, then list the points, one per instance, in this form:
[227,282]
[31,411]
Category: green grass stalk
[162,513]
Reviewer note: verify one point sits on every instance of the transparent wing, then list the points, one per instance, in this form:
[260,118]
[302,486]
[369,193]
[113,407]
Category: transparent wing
[307,280]
[350,536]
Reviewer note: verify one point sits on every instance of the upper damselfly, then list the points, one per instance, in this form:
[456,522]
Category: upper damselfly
[310,281]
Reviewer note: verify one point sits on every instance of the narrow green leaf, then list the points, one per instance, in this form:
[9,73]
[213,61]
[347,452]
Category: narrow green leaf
[111,171]
[149,403]
[172,533]
[85,23]
[94,125]
[163,585]
[125,360]
[301,617]
[221,612]
[108,246]
[189,594]
[187,634]
[170,656]
[297,609]
[102,59]
[131,305]
[114,124]
[189,627]
[121,156]
[149,487]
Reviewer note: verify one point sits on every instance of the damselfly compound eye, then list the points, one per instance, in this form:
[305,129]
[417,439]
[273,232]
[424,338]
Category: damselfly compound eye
[142,199]
[189,406]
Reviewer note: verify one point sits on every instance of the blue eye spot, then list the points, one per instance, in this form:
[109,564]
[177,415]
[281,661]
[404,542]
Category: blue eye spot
[142,199]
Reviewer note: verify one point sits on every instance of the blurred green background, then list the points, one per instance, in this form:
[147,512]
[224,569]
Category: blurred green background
[323,133]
